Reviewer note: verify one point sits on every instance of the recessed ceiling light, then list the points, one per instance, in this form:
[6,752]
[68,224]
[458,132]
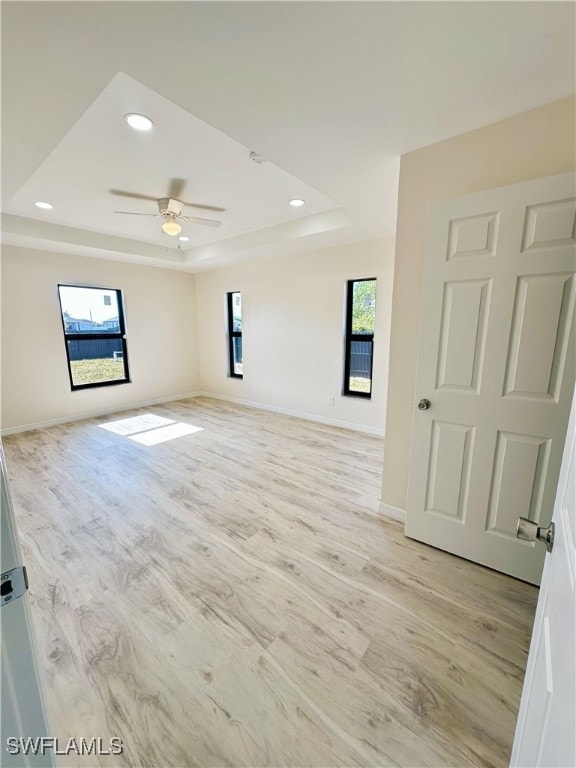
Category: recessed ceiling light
[297,202]
[44,206]
[139,122]
[183,239]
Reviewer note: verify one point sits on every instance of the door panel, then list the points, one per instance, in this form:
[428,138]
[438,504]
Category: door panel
[449,472]
[496,360]
[543,310]
[549,225]
[473,236]
[463,334]
[517,456]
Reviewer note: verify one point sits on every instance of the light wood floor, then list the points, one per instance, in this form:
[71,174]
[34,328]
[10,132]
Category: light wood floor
[232,598]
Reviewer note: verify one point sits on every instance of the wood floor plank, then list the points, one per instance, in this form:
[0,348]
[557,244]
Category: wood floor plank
[231,597]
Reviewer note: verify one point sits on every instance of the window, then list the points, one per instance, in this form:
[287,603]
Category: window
[360,314]
[235,334]
[95,336]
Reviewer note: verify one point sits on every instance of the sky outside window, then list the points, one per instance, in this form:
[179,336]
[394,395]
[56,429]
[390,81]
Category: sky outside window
[96,304]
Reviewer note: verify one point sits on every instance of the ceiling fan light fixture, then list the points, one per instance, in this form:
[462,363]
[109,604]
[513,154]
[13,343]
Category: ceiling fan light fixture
[171,228]
[139,122]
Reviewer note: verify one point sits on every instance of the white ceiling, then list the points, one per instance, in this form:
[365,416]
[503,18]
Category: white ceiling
[331,93]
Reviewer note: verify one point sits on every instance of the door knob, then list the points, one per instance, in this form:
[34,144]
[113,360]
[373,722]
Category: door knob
[530,531]
[424,404]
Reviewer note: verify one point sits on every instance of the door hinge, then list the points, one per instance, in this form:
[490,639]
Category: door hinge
[13,584]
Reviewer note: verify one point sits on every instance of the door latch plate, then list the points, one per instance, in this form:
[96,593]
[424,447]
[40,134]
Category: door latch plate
[13,584]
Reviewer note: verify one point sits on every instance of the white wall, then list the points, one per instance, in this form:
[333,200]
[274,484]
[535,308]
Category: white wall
[293,323]
[527,146]
[160,324]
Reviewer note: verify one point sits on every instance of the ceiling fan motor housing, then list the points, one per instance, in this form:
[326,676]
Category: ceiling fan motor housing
[169,207]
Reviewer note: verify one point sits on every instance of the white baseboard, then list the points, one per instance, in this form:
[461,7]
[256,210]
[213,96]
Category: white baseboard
[297,414]
[393,512]
[94,414]
[171,398]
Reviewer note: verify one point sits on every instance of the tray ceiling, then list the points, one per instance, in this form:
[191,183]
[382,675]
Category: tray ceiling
[330,93]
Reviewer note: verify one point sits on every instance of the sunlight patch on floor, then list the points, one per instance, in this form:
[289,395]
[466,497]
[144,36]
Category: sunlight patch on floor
[149,429]
[136,424]
[163,434]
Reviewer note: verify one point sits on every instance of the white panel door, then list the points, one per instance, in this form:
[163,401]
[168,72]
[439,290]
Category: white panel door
[22,710]
[496,362]
[546,729]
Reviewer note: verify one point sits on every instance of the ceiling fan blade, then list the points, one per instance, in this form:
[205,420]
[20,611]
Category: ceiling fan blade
[132,195]
[214,208]
[175,188]
[134,213]
[204,222]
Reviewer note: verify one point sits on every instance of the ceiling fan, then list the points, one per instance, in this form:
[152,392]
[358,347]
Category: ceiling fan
[170,208]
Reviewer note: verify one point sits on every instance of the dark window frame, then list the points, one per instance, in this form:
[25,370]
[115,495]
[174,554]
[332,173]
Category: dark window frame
[232,334]
[349,337]
[121,335]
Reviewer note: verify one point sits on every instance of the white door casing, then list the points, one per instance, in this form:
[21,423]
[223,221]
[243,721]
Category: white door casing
[546,728]
[496,360]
